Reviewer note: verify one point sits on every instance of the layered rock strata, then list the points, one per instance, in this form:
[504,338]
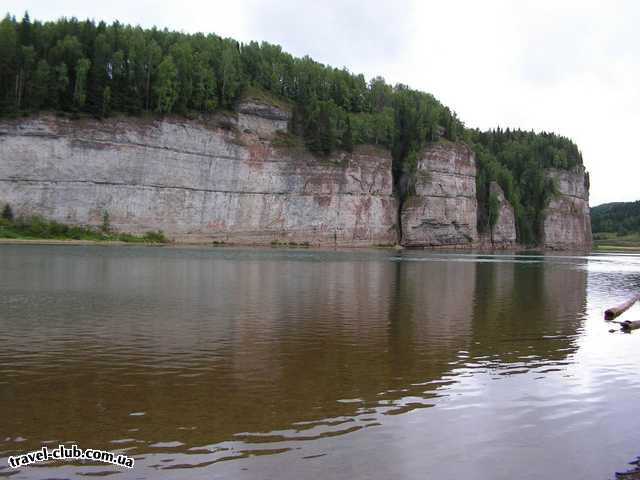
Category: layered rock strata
[443,210]
[567,220]
[196,181]
[503,233]
[239,178]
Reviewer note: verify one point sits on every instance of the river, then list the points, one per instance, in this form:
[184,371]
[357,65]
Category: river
[294,364]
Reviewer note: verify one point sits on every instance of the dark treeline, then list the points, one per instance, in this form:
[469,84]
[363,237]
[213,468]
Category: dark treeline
[84,67]
[516,159]
[621,218]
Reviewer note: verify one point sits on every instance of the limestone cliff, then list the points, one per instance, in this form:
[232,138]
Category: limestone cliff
[197,181]
[567,222]
[503,233]
[443,210]
[239,178]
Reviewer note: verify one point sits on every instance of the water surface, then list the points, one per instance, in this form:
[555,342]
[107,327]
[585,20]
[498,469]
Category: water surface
[292,364]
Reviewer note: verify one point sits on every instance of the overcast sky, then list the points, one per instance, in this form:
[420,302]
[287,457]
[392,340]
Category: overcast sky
[568,66]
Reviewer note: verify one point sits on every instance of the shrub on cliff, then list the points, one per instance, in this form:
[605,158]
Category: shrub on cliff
[517,160]
[7,213]
[155,237]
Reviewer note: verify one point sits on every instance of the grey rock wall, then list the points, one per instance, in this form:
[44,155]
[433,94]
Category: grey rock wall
[503,233]
[567,222]
[223,178]
[444,209]
[196,181]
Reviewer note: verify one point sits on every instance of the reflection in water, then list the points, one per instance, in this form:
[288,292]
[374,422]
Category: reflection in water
[528,312]
[185,358]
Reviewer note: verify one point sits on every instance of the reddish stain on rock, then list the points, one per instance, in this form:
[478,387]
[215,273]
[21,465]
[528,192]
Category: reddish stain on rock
[323,200]
[258,152]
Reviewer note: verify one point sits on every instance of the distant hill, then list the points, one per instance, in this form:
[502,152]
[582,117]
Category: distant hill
[621,218]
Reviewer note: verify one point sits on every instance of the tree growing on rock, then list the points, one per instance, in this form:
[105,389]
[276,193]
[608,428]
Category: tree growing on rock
[7,213]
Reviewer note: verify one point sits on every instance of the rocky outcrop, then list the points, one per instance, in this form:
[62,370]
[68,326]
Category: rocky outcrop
[567,222]
[443,211]
[503,233]
[262,119]
[240,178]
[216,179]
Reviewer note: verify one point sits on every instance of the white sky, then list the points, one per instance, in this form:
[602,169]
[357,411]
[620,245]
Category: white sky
[568,66]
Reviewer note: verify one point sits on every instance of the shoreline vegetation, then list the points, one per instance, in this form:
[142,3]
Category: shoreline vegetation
[616,226]
[36,229]
[615,242]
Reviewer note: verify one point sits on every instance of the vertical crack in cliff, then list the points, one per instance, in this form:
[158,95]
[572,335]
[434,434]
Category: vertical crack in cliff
[399,218]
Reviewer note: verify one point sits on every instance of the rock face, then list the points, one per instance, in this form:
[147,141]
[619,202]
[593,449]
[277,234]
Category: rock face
[444,209]
[503,233]
[567,222]
[261,119]
[239,178]
[196,181]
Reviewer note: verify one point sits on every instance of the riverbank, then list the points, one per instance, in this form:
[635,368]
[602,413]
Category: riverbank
[616,248]
[633,474]
[48,241]
[610,241]
[172,244]
[36,229]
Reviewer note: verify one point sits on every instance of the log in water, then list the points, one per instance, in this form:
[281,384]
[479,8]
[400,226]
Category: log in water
[629,325]
[618,310]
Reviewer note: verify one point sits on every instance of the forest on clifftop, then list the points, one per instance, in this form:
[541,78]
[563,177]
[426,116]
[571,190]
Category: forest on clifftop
[87,68]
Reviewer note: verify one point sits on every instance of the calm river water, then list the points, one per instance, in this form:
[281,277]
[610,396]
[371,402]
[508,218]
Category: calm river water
[284,364]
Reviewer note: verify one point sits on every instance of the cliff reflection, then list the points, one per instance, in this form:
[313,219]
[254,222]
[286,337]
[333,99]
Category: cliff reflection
[200,347]
[527,310]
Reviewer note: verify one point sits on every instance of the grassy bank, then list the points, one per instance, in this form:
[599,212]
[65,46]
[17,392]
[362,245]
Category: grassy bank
[38,228]
[610,241]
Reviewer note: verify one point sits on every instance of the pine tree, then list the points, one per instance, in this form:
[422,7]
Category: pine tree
[347,137]
[166,87]
[106,101]
[80,89]
[40,87]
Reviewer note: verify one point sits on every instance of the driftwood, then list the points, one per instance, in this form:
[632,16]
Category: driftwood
[618,310]
[629,325]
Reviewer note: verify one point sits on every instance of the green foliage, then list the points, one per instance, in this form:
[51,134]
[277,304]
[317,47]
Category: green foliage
[40,85]
[106,101]
[493,210]
[36,227]
[80,88]
[287,140]
[7,213]
[166,87]
[80,67]
[154,237]
[277,243]
[517,161]
[619,218]
[347,137]
[106,222]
